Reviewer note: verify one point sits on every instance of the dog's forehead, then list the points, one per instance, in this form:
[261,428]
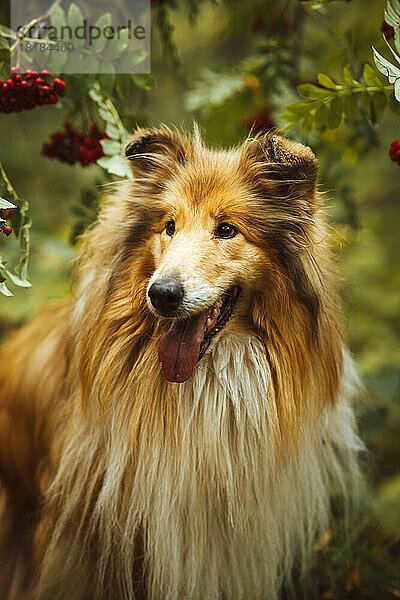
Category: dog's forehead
[212,181]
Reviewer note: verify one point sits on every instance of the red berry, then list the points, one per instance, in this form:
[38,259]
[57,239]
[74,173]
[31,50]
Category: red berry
[7,230]
[70,146]
[394,151]
[387,30]
[19,93]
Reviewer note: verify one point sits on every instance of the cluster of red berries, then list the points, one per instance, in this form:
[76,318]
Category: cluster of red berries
[394,152]
[5,215]
[387,31]
[24,92]
[71,146]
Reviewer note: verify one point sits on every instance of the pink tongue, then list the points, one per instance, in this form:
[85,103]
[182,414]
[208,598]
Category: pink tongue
[180,348]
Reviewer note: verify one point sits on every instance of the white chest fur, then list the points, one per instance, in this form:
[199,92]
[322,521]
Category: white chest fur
[221,516]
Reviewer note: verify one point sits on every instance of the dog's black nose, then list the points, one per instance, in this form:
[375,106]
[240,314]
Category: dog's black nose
[166,295]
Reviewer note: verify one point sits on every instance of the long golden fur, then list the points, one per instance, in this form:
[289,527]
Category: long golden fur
[118,484]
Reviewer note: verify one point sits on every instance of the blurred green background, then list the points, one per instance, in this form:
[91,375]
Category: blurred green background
[206,74]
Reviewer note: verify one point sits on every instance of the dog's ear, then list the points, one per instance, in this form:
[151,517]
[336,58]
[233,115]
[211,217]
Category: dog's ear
[285,168]
[151,150]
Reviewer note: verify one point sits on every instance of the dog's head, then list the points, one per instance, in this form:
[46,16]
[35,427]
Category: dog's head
[226,226]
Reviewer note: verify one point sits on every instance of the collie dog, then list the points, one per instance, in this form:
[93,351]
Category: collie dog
[178,428]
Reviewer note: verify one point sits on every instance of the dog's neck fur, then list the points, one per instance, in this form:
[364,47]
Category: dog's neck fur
[224,514]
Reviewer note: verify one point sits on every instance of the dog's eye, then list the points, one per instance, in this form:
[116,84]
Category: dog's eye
[170,228]
[226,231]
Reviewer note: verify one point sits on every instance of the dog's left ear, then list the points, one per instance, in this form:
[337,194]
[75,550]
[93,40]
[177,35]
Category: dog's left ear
[288,169]
[151,150]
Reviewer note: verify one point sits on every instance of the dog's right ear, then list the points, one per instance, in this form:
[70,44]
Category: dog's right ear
[284,168]
[158,149]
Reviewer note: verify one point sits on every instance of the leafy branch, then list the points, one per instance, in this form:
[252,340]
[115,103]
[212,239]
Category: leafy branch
[392,17]
[328,104]
[21,223]
[117,135]
[264,71]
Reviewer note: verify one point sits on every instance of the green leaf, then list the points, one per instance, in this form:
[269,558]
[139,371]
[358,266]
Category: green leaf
[348,77]
[97,45]
[322,116]
[371,77]
[96,97]
[7,30]
[336,112]
[6,274]
[106,78]
[300,108]
[111,146]
[78,84]
[136,57]
[106,115]
[5,55]
[312,92]
[24,239]
[18,281]
[144,81]
[74,62]
[4,43]
[5,204]
[123,85]
[290,117]
[117,45]
[131,59]
[379,102]
[109,114]
[116,165]
[58,18]
[392,13]
[4,290]
[386,67]
[307,122]
[58,60]
[75,19]
[366,102]
[350,108]
[112,130]
[327,82]
[397,90]
[90,64]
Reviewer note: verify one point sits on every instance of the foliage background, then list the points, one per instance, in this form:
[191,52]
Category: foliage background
[233,64]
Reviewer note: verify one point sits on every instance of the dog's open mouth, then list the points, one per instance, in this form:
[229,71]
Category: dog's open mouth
[188,339]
